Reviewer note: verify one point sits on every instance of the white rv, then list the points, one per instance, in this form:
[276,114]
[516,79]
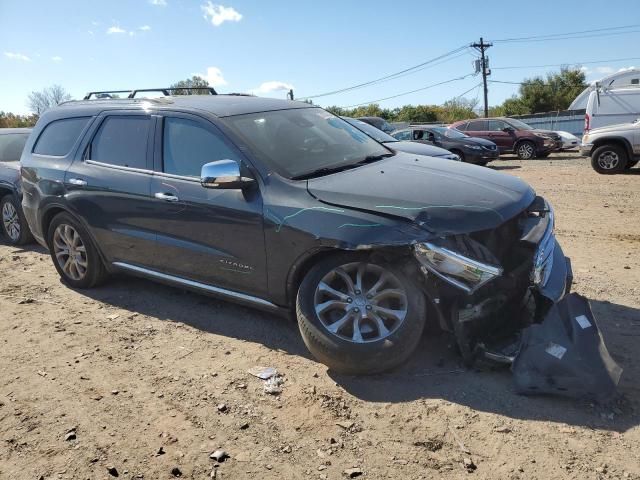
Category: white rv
[611,107]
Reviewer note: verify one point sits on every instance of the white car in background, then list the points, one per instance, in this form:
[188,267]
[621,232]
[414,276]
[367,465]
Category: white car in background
[568,141]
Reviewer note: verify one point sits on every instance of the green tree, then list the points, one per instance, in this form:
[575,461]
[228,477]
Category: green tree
[11,120]
[555,93]
[190,86]
[416,113]
[457,109]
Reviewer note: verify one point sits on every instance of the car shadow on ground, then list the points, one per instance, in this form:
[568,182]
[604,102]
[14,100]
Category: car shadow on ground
[435,371]
[504,167]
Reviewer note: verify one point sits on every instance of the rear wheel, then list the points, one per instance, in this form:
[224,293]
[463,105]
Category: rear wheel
[526,150]
[14,225]
[73,253]
[609,159]
[359,316]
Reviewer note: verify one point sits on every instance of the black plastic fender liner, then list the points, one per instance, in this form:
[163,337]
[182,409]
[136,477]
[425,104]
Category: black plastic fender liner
[566,354]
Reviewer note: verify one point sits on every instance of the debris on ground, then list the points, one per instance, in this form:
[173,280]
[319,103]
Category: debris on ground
[263,373]
[176,472]
[353,472]
[112,471]
[273,386]
[219,456]
[70,435]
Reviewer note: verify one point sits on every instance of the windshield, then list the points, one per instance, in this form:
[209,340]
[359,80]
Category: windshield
[449,132]
[303,140]
[11,145]
[373,132]
[519,125]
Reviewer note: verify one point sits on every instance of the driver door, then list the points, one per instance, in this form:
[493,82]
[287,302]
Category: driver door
[207,235]
[498,135]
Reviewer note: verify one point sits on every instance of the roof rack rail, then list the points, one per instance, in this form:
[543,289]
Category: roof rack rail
[105,94]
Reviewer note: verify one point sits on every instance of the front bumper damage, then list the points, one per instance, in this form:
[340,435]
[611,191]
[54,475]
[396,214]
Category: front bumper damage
[531,322]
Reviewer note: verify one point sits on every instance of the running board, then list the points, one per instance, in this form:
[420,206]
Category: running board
[237,296]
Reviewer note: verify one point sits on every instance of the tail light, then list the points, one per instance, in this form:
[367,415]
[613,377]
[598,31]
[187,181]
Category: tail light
[587,122]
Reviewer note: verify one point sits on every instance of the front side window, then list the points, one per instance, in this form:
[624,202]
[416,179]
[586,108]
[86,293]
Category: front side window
[11,145]
[300,141]
[59,136]
[122,141]
[496,125]
[188,145]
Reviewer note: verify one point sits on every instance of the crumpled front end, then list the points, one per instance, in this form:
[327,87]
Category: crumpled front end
[504,295]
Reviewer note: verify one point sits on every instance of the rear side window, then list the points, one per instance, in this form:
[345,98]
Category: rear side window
[59,136]
[476,126]
[11,146]
[122,141]
[188,145]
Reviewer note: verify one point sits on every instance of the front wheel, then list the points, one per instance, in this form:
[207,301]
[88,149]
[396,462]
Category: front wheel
[526,150]
[359,316]
[609,159]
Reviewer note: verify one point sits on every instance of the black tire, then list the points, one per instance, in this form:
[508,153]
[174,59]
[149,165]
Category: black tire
[631,164]
[543,155]
[95,272]
[459,153]
[526,150]
[482,164]
[609,159]
[348,357]
[20,233]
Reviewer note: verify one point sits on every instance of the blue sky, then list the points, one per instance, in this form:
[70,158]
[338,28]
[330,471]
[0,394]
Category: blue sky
[313,46]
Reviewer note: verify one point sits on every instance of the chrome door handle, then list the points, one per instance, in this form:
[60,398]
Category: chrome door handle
[78,181]
[167,197]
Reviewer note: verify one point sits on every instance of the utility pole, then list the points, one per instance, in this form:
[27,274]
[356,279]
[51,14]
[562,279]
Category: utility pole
[290,94]
[484,66]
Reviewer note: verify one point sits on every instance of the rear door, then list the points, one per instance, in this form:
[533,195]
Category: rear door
[504,140]
[108,186]
[207,235]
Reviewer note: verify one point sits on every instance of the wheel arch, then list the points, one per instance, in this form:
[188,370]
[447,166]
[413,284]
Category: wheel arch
[620,141]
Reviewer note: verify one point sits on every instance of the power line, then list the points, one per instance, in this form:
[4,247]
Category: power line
[467,91]
[566,64]
[560,36]
[412,91]
[574,37]
[387,77]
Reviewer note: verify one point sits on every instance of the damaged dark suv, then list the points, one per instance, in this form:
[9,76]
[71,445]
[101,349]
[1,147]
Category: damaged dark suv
[286,207]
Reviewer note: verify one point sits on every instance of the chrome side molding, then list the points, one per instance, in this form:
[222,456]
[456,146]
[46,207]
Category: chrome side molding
[197,285]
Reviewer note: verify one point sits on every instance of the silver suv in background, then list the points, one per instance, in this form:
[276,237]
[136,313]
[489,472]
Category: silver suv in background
[613,149]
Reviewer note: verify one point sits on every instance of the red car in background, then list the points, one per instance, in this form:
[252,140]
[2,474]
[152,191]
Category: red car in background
[512,136]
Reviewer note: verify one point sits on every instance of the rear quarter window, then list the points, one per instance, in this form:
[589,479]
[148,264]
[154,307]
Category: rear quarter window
[59,136]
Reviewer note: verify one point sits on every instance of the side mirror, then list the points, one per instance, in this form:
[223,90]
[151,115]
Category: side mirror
[508,129]
[223,174]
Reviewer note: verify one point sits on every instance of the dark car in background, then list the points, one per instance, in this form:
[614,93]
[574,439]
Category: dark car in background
[14,225]
[512,136]
[471,150]
[286,207]
[407,147]
[378,122]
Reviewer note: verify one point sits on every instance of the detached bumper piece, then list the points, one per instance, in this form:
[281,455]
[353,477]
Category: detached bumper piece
[566,355]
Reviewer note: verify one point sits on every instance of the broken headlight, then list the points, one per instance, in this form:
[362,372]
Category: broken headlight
[455,268]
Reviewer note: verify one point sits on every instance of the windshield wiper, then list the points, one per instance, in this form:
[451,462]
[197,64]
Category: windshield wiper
[327,170]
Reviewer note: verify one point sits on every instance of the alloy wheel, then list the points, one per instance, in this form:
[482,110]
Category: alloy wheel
[360,302]
[608,160]
[11,221]
[525,151]
[70,252]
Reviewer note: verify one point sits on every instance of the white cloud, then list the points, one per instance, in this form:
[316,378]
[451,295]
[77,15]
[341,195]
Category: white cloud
[270,87]
[604,70]
[114,29]
[56,58]
[626,69]
[90,32]
[17,56]
[218,14]
[213,76]
[159,3]
[145,28]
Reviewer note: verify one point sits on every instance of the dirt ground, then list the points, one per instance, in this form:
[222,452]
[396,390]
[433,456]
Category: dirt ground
[146,379]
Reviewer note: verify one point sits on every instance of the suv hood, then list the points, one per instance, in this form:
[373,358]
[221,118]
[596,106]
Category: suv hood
[443,197]
[418,148]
